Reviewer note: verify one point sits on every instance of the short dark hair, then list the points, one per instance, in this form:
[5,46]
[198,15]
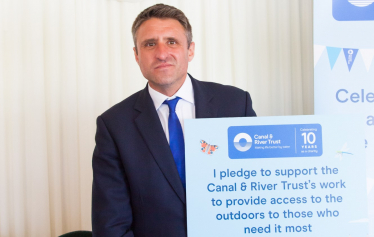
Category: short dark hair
[162,11]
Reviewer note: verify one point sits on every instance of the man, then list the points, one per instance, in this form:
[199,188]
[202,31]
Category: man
[139,184]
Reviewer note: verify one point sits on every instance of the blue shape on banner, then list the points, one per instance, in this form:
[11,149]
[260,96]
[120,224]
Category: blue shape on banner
[350,56]
[353,10]
[333,54]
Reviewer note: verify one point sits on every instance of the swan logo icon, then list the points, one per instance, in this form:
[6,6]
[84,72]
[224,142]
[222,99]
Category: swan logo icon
[242,142]
[353,10]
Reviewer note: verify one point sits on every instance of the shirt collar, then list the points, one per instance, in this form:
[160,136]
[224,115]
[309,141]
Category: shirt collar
[185,92]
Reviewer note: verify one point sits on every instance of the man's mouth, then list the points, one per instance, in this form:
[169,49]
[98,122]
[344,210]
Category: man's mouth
[163,65]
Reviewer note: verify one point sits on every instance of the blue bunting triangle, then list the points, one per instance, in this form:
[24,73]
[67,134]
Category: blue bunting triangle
[350,56]
[333,54]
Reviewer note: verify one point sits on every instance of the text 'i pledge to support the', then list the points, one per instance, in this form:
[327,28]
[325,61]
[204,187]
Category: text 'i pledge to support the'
[227,173]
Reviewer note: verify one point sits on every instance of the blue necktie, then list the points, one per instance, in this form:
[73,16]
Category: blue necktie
[176,140]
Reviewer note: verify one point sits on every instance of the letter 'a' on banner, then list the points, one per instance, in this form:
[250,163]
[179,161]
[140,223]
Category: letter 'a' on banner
[344,76]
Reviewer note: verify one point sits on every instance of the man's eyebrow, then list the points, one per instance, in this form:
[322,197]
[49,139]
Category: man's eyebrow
[148,41]
[171,39]
[152,40]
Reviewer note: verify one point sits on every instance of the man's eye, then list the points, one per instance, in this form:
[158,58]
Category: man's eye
[150,44]
[172,42]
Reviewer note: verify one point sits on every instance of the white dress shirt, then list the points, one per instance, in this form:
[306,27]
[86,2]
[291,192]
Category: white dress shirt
[185,108]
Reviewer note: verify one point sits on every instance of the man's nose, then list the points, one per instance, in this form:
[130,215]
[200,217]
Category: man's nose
[162,51]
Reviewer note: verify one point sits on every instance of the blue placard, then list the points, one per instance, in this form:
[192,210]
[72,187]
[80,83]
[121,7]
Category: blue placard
[272,141]
[296,191]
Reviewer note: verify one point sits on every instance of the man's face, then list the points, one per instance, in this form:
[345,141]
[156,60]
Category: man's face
[162,54]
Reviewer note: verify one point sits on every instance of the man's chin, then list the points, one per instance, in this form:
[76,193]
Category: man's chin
[162,84]
[166,86]
[164,80]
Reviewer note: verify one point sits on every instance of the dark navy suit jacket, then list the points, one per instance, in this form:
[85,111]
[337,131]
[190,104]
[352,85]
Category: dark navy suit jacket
[136,187]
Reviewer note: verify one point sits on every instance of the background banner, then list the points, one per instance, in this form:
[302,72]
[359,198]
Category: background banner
[344,70]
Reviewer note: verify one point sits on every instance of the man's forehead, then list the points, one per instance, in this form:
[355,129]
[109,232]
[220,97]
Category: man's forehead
[156,28]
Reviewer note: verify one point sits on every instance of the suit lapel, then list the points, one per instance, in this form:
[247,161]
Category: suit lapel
[204,106]
[151,130]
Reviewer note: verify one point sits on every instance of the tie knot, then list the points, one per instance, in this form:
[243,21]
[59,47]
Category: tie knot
[172,104]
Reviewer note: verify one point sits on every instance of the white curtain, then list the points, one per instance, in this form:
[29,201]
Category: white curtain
[64,62]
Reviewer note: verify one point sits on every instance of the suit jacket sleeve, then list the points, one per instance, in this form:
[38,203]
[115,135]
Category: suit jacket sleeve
[111,209]
[249,112]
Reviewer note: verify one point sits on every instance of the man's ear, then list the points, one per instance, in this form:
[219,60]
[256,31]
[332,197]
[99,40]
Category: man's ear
[136,54]
[191,51]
